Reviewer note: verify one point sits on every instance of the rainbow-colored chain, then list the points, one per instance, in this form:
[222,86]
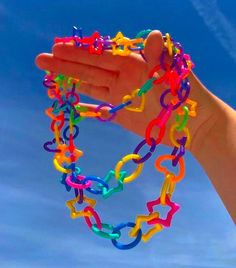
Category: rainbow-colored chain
[66,113]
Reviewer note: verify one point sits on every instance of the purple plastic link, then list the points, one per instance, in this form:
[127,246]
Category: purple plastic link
[81,195]
[147,155]
[48,143]
[142,54]
[46,82]
[184,86]
[105,105]
[182,143]
[162,59]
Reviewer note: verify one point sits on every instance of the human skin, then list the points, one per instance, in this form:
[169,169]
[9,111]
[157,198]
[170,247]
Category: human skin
[108,78]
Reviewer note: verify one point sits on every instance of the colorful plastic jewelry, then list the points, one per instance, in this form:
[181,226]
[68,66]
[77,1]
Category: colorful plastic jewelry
[66,113]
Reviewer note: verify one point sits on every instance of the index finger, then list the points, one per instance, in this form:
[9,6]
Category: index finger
[107,61]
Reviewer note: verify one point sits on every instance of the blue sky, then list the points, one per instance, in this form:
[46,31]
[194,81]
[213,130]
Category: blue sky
[35,227]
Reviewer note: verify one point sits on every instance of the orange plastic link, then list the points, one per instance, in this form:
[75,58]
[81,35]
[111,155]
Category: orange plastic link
[162,169]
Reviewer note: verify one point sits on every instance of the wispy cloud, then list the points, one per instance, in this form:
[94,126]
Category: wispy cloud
[218,23]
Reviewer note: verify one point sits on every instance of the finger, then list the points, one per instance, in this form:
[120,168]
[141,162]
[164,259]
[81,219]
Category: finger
[95,92]
[105,61]
[153,48]
[91,74]
[93,107]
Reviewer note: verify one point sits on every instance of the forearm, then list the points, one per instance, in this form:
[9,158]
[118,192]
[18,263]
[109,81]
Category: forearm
[215,148]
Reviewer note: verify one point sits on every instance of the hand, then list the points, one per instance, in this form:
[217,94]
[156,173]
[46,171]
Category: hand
[108,78]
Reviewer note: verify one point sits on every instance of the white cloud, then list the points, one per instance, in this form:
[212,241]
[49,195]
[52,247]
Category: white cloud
[218,23]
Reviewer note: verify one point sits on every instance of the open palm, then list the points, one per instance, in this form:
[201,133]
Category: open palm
[108,78]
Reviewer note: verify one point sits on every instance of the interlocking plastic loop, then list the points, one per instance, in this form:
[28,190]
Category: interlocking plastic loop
[127,98]
[146,87]
[192,110]
[66,113]
[148,154]
[47,145]
[145,218]
[160,121]
[175,178]
[130,245]
[173,209]
[97,179]
[81,185]
[181,150]
[76,214]
[95,215]
[184,121]
[105,105]
[151,125]
[65,136]
[59,167]
[168,44]
[168,187]
[186,132]
[74,117]
[114,235]
[161,79]
[120,164]
[119,107]
[107,192]
[90,114]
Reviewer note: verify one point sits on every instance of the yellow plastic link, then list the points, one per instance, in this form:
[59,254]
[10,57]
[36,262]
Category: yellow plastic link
[168,187]
[76,214]
[71,127]
[120,164]
[192,110]
[90,114]
[168,44]
[57,134]
[132,42]
[127,98]
[144,218]
[120,40]
[185,130]
[59,167]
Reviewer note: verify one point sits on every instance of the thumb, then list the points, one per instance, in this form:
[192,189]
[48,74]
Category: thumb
[153,48]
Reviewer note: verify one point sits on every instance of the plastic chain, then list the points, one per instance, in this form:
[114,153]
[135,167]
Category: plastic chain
[66,114]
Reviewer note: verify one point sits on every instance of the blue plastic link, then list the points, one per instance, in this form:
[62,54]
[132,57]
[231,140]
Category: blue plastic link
[119,107]
[130,245]
[97,179]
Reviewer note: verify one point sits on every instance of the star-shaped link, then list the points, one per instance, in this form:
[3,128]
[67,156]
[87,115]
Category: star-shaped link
[145,218]
[167,221]
[76,214]
[120,40]
[111,174]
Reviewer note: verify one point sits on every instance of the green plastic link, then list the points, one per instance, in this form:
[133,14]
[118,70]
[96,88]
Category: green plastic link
[80,108]
[174,50]
[60,79]
[141,34]
[184,122]
[146,87]
[111,174]
[74,120]
[104,234]
[56,109]
[70,82]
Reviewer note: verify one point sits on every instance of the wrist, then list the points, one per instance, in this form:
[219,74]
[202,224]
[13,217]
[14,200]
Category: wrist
[209,115]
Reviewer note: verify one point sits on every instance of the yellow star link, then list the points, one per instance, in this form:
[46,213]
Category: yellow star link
[120,40]
[118,36]
[144,218]
[76,214]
